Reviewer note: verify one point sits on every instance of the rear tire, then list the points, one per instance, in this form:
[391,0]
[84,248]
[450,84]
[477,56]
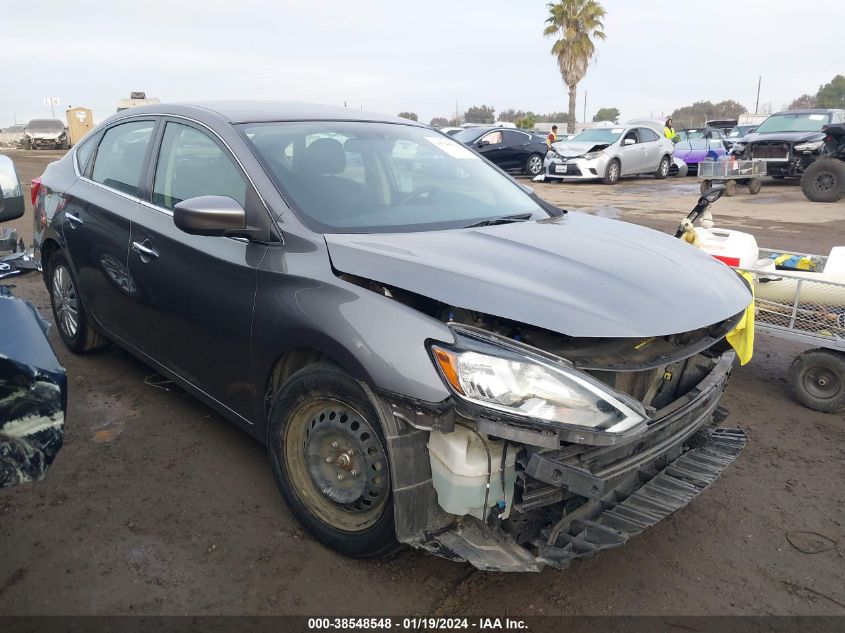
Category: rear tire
[68,310]
[824,180]
[612,172]
[663,168]
[533,165]
[330,462]
[818,380]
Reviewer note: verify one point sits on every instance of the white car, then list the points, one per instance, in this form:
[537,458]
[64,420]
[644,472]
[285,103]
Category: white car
[608,153]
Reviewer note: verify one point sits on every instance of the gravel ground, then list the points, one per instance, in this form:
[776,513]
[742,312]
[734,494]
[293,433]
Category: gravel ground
[156,505]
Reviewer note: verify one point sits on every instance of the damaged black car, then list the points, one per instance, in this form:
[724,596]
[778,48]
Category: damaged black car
[33,385]
[789,142]
[433,355]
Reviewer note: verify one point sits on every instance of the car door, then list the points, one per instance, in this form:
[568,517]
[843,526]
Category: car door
[650,145]
[96,219]
[492,147]
[516,149]
[631,153]
[196,293]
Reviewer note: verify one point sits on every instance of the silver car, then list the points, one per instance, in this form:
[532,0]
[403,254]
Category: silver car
[608,153]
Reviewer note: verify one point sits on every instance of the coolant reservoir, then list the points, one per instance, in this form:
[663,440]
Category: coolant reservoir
[459,472]
[734,248]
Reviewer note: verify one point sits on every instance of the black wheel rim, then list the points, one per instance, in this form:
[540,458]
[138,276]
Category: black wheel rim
[825,181]
[822,382]
[337,464]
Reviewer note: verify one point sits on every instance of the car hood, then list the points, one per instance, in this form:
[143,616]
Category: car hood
[789,137]
[577,275]
[570,150]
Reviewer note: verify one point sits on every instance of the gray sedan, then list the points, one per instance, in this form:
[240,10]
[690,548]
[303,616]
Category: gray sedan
[608,153]
[432,355]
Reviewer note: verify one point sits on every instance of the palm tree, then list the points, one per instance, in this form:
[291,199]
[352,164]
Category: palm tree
[575,24]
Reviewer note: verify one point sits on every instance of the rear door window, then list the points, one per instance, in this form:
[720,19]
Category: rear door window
[647,135]
[515,138]
[119,162]
[191,164]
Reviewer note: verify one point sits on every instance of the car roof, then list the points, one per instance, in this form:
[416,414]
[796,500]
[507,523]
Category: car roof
[808,111]
[266,111]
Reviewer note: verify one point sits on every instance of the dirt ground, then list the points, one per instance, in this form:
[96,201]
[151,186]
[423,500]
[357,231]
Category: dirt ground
[156,505]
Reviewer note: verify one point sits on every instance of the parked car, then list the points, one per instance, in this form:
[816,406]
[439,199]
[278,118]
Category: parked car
[738,132]
[608,153]
[385,327]
[824,180]
[33,385]
[12,136]
[45,134]
[508,148]
[725,125]
[788,141]
[696,145]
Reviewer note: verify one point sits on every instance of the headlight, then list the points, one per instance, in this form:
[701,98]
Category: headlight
[593,155]
[547,392]
[809,147]
[553,155]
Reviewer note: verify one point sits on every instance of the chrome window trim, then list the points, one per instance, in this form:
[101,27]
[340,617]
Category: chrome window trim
[165,211]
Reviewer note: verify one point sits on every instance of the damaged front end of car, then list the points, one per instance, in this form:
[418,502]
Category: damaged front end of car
[552,448]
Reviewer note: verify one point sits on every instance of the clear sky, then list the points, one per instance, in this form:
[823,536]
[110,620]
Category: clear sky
[421,56]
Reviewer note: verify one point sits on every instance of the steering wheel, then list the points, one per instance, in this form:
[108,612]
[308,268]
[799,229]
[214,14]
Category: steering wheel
[425,193]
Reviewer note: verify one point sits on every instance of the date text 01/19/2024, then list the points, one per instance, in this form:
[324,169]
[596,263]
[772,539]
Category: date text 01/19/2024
[417,624]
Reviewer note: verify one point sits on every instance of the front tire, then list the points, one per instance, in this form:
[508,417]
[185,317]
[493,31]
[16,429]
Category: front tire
[818,380]
[663,168]
[68,310]
[824,180]
[613,172]
[330,462]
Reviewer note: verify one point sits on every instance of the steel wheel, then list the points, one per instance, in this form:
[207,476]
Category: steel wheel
[337,464]
[822,383]
[65,301]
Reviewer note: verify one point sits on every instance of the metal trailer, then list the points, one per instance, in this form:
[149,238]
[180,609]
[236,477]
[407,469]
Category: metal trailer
[810,312]
[732,173]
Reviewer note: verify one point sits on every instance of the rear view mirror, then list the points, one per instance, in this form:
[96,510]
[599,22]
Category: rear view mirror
[11,195]
[210,215]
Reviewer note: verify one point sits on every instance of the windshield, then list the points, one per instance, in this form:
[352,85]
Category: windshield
[598,135]
[355,177]
[799,122]
[468,135]
[45,125]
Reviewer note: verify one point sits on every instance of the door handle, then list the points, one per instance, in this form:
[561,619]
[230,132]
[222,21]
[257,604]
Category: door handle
[144,251]
[74,220]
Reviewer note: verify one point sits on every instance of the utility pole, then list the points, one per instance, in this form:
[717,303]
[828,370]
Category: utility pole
[585,106]
[757,104]
[457,120]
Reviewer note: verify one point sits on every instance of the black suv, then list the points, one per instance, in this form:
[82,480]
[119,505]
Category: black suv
[788,141]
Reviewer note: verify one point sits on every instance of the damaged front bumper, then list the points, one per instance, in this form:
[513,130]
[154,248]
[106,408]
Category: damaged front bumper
[572,500]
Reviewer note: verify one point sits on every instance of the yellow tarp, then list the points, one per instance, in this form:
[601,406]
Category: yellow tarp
[741,337]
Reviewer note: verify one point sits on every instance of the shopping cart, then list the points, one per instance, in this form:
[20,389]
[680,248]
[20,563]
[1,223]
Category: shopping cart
[795,306]
[732,173]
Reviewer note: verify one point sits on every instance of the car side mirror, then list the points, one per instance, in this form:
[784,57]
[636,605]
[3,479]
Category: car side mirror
[210,215]
[629,141]
[11,194]
[483,143]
